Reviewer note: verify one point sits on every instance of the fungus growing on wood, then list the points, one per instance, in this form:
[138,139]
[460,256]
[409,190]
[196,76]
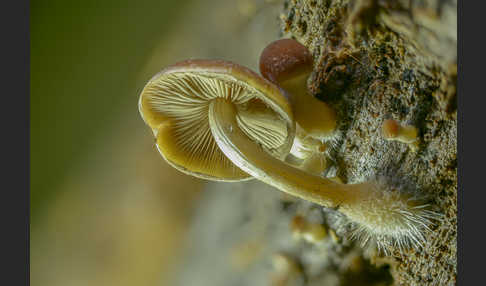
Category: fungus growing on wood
[289,64]
[196,106]
[176,102]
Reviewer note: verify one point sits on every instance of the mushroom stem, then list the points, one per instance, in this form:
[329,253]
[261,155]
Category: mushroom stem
[382,212]
[314,116]
[252,159]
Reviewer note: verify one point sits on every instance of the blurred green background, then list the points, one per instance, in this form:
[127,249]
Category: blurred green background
[85,58]
[105,208]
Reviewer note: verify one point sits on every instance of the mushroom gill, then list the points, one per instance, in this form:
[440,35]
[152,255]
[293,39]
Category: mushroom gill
[183,99]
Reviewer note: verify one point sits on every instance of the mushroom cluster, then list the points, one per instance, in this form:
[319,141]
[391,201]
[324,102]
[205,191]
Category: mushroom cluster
[218,120]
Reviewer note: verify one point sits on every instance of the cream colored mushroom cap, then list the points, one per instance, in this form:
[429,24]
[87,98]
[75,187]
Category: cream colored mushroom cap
[175,103]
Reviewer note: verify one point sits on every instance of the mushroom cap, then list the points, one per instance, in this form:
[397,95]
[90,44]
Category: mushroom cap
[390,128]
[175,102]
[284,59]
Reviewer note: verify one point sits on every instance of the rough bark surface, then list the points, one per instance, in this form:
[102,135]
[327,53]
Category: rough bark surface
[374,60]
[391,59]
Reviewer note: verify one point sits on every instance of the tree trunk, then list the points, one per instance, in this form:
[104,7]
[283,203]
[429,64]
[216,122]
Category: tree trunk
[374,60]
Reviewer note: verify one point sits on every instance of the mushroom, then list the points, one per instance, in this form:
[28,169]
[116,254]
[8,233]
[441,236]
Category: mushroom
[177,102]
[394,131]
[196,105]
[289,64]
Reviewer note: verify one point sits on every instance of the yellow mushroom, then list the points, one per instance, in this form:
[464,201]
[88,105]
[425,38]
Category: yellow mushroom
[176,102]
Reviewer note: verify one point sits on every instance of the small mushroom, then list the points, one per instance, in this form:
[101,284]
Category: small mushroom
[289,64]
[394,131]
[196,105]
[177,103]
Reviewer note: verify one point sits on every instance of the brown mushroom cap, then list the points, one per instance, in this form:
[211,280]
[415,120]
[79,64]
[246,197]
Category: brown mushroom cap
[390,128]
[174,103]
[284,59]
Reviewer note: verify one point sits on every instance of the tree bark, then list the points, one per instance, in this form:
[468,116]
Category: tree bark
[376,60]
[373,60]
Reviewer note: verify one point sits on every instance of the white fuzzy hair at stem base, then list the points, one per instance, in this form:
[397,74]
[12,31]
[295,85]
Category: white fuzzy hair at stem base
[399,225]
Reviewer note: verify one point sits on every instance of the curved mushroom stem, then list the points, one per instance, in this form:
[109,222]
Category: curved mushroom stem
[380,212]
[252,159]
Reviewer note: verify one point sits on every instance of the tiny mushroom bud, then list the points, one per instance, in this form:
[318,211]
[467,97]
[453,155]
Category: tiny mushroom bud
[394,131]
[196,106]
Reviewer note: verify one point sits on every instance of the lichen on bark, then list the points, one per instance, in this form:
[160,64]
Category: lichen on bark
[376,60]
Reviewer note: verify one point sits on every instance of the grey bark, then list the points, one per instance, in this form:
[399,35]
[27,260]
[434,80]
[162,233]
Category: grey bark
[391,59]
